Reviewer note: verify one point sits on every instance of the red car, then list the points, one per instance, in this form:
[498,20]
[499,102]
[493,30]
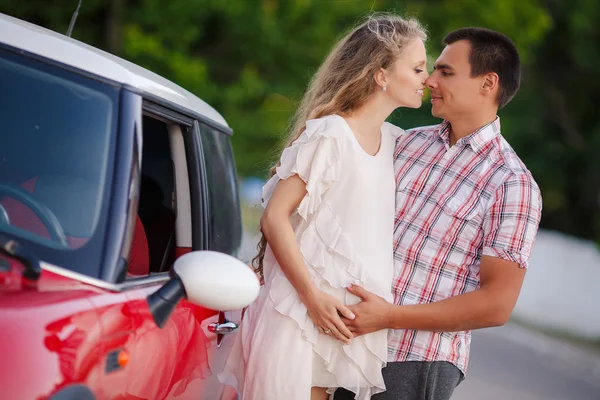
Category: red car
[119,227]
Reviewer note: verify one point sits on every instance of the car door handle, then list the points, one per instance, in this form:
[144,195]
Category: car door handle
[223,328]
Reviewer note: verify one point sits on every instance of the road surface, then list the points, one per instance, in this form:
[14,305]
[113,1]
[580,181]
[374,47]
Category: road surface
[517,364]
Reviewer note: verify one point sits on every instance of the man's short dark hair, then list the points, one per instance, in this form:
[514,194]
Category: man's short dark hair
[492,51]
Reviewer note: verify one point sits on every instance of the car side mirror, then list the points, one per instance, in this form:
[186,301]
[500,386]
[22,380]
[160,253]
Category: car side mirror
[208,279]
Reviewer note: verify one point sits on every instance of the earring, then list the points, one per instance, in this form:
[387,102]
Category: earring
[384,88]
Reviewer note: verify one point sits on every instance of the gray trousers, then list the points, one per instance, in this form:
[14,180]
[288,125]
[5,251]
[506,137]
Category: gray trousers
[415,380]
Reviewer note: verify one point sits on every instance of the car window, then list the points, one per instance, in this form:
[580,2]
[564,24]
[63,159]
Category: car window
[154,233]
[163,221]
[225,230]
[55,158]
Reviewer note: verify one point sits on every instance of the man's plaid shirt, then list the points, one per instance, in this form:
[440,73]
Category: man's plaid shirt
[454,205]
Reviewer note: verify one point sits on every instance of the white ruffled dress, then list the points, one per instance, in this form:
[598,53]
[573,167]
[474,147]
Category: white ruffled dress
[344,228]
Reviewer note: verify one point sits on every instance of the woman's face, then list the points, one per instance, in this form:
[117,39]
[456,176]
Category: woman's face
[405,79]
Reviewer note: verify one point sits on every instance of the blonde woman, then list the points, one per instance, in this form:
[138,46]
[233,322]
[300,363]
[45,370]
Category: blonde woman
[328,221]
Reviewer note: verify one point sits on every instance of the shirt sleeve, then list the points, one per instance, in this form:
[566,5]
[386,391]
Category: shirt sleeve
[512,221]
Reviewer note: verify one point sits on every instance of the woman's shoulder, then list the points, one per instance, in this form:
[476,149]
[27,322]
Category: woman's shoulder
[330,126]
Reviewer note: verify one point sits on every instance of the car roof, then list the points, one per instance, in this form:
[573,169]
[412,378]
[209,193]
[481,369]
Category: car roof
[55,46]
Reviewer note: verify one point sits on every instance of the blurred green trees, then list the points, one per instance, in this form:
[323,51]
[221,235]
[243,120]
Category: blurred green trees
[251,60]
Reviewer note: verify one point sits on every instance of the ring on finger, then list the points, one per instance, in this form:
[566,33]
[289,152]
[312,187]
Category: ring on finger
[327,331]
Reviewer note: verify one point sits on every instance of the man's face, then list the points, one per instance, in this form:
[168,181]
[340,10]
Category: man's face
[454,92]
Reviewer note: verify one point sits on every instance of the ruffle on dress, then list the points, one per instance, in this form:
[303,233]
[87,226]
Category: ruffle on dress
[315,157]
[329,256]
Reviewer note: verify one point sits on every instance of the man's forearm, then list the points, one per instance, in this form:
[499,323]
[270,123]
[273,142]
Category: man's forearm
[473,310]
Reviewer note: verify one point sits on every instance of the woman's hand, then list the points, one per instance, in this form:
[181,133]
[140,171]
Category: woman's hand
[325,311]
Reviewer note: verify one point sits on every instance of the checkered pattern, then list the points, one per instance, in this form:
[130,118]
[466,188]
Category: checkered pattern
[453,205]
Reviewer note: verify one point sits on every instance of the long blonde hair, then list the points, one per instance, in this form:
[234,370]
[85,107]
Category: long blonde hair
[346,77]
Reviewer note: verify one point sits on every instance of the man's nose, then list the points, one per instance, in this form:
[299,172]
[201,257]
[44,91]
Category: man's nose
[430,82]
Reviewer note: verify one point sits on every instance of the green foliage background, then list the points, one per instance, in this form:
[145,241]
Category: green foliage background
[251,60]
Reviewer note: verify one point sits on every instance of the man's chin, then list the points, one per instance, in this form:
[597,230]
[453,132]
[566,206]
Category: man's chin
[436,113]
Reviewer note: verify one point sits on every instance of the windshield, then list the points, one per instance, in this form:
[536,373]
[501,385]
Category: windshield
[55,154]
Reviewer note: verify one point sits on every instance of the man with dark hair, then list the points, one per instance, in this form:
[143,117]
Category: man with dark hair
[491,51]
[467,213]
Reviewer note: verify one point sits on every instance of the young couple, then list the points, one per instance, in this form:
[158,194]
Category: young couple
[383,248]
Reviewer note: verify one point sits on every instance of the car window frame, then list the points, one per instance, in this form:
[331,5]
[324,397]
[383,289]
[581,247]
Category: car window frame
[197,182]
[110,275]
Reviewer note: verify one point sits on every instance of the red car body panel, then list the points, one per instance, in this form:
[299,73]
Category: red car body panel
[58,331]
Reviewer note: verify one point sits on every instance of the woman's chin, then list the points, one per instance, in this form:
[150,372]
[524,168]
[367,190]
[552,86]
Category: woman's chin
[417,104]
[411,103]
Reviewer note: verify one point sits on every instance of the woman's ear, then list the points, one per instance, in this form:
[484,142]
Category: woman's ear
[381,77]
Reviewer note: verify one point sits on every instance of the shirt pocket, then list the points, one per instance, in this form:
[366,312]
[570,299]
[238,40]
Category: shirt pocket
[460,219]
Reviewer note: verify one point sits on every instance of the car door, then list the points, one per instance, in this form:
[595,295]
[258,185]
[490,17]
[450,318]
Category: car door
[180,360]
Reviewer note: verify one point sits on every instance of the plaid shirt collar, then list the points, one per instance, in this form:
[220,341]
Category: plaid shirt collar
[477,140]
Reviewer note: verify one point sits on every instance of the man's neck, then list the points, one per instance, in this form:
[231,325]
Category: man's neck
[464,126]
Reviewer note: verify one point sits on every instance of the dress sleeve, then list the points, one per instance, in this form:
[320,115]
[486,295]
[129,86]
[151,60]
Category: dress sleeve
[315,157]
